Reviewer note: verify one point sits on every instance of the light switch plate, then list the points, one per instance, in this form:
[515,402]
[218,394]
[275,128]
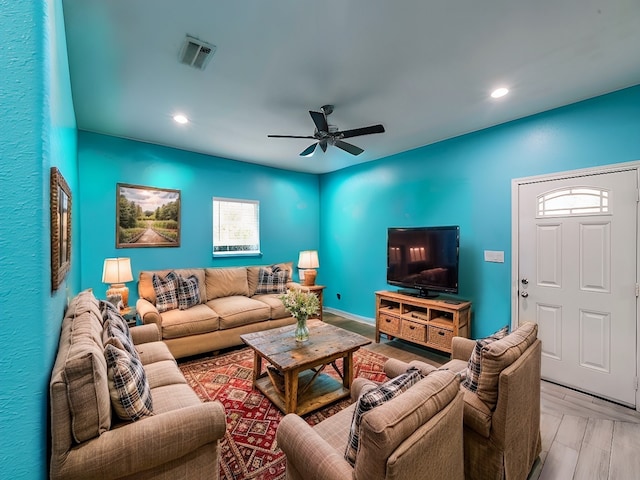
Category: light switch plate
[496,256]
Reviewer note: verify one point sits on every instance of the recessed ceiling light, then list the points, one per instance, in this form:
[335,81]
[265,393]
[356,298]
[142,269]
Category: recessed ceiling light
[180,118]
[499,92]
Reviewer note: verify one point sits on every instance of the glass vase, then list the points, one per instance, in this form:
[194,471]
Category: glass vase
[302,331]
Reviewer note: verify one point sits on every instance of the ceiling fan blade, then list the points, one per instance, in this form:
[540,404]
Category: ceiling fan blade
[290,136]
[307,152]
[347,147]
[323,145]
[320,120]
[356,132]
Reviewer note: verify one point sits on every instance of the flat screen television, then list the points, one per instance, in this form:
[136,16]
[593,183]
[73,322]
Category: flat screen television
[424,259]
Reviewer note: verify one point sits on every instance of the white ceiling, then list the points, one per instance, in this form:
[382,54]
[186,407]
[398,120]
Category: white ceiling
[422,68]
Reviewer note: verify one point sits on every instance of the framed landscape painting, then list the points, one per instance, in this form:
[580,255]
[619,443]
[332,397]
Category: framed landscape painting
[147,217]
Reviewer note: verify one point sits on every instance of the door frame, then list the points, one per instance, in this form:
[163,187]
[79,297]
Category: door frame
[515,186]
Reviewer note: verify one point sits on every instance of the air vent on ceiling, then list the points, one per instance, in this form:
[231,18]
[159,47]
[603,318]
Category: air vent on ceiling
[196,53]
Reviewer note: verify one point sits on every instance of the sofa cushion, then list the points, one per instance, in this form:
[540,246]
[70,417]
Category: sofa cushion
[276,305]
[165,372]
[272,280]
[166,291]
[372,399]
[195,320]
[128,386]
[473,366]
[82,370]
[151,352]
[226,282]
[499,355]
[188,292]
[235,311]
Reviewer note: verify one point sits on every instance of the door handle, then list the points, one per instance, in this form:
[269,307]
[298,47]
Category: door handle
[525,281]
[524,294]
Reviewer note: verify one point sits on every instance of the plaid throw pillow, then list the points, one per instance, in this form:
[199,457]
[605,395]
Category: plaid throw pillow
[128,386]
[272,280]
[470,382]
[112,335]
[166,290]
[368,400]
[188,292]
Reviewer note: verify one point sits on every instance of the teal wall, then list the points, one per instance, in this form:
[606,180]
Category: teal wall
[37,131]
[464,181]
[289,205]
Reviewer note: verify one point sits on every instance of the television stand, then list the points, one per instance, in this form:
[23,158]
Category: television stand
[428,322]
[418,292]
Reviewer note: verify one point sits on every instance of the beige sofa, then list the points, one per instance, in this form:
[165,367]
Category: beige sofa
[415,436]
[501,418]
[88,440]
[228,308]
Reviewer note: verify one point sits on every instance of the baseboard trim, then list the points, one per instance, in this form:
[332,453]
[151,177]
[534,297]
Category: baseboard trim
[351,316]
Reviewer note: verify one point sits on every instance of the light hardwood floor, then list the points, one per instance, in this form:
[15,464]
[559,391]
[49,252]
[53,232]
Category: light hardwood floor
[583,437]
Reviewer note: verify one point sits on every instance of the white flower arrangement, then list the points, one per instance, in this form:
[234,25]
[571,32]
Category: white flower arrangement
[301,304]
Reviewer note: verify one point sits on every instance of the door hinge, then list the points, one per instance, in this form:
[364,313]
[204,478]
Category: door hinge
[635,383]
[637,290]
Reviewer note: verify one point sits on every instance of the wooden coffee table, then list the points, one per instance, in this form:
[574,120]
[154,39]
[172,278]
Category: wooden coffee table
[300,366]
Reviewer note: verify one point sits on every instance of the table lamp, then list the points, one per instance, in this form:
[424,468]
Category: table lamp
[117,271]
[308,261]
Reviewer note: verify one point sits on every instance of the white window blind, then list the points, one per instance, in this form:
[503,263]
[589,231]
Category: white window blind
[236,227]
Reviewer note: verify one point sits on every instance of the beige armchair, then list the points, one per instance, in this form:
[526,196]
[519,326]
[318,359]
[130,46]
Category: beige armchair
[501,419]
[416,435]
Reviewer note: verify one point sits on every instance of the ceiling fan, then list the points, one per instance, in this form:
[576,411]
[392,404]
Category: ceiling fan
[326,134]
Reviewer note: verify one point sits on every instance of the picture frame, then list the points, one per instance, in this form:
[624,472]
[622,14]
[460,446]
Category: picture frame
[147,216]
[60,204]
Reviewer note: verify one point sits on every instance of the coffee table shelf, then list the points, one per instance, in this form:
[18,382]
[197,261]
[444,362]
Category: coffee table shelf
[324,390]
[299,363]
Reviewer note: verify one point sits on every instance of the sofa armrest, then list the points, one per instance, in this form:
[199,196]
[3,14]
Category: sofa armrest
[461,348]
[309,454]
[145,444]
[145,333]
[394,367]
[361,385]
[294,286]
[148,312]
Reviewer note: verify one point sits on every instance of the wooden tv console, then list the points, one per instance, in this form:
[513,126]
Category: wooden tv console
[428,322]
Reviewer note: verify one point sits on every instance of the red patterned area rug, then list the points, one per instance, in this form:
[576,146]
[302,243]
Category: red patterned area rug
[249,449]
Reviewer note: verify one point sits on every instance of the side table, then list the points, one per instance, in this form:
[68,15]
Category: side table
[130,315]
[317,289]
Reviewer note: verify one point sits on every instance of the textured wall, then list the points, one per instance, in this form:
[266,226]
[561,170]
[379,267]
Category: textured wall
[464,181]
[37,130]
[289,216]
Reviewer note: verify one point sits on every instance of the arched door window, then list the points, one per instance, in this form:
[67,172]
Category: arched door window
[574,201]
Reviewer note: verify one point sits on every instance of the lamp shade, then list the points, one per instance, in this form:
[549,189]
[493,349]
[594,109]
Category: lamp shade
[117,270]
[308,259]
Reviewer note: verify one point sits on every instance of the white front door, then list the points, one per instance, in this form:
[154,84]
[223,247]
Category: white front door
[577,279]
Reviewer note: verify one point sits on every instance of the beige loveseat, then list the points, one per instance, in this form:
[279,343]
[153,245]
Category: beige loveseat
[229,307]
[88,440]
[502,417]
[415,436]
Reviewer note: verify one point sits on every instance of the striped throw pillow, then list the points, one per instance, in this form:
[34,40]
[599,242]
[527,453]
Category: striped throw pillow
[272,280]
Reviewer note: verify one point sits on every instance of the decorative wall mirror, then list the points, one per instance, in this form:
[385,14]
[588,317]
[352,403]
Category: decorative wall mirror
[60,228]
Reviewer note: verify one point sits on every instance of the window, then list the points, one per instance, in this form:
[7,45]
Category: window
[573,201]
[236,227]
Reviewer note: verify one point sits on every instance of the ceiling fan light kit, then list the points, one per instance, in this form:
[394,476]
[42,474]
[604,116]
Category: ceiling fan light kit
[326,134]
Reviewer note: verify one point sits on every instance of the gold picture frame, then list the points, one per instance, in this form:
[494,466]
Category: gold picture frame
[60,228]
[147,216]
